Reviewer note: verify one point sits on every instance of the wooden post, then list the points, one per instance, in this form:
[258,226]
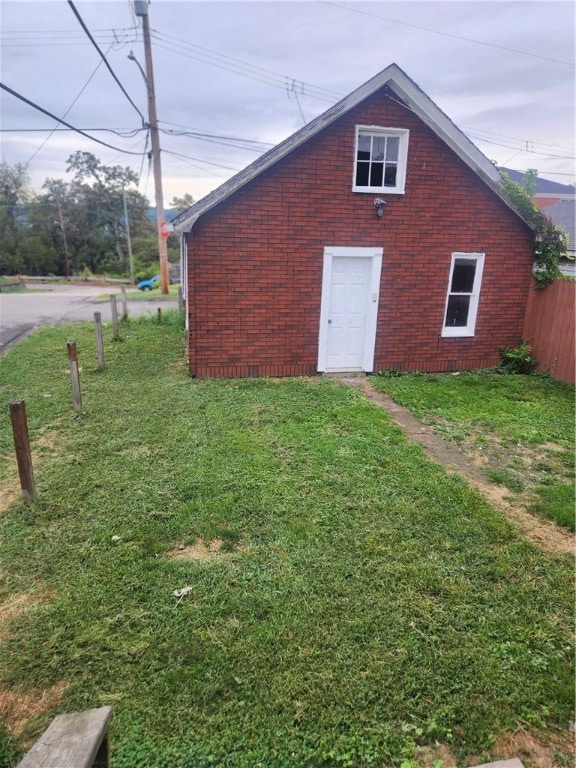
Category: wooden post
[124,304]
[159,315]
[74,375]
[180,298]
[99,339]
[22,445]
[114,316]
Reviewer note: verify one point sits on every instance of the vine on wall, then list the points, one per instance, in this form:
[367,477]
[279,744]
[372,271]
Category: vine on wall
[550,242]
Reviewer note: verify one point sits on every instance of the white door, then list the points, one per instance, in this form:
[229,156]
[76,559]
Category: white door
[349,309]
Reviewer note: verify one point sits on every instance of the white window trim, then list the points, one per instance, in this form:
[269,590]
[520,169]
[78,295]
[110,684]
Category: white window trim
[470,328]
[400,133]
[372,310]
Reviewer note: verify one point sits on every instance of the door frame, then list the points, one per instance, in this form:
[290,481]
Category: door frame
[331,252]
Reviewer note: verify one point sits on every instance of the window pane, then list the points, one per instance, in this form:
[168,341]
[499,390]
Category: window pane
[362,170]
[376,174]
[378,147]
[463,276]
[457,311]
[363,147]
[392,148]
[390,176]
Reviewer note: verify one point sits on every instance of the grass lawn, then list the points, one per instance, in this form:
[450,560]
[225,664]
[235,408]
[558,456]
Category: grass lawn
[153,295]
[519,428]
[349,602]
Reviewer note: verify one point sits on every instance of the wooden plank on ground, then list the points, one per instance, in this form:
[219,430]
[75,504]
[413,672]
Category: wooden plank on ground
[73,740]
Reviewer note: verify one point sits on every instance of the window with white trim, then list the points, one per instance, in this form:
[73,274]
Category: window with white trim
[380,159]
[463,294]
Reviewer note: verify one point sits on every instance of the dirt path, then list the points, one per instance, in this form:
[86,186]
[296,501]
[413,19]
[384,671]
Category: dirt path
[546,534]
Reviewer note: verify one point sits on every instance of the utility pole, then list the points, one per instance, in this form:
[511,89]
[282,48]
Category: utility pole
[141,10]
[127,224]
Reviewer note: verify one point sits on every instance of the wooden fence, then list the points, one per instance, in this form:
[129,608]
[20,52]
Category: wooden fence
[549,327]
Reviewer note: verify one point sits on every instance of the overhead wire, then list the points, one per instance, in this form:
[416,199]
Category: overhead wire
[448,34]
[104,59]
[60,120]
[210,53]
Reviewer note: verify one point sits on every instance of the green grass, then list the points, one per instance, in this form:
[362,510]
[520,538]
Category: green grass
[153,295]
[520,427]
[364,603]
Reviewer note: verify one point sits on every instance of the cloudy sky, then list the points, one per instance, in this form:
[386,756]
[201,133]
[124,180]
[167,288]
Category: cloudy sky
[234,78]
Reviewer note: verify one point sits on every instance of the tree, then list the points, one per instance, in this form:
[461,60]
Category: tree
[14,192]
[182,203]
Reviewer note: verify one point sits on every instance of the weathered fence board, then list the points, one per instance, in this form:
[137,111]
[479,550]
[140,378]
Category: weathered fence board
[549,327]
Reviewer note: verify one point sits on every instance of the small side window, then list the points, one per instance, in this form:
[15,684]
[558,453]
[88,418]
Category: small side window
[463,294]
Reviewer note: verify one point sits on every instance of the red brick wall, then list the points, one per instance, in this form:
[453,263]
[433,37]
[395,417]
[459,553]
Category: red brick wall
[255,260]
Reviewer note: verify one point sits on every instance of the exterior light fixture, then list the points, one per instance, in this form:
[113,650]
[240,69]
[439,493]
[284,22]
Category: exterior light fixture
[379,207]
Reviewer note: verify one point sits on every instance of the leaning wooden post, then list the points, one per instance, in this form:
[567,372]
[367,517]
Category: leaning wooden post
[74,375]
[99,338]
[159,315]
[22,445]
[124,304]
[114,315]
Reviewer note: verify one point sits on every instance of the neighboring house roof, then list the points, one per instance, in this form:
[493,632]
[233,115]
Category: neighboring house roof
[563,215]
[398,82]
[543,186]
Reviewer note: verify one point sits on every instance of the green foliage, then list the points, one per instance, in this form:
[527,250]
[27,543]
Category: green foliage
[362,598]
[517,360]
[550,242]
[70,225]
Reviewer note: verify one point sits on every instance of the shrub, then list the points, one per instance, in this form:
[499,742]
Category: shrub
[517,360]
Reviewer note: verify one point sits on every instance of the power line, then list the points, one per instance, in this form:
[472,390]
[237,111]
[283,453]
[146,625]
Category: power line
[60,120]
[104,59]
[125,134]
[449,34]
[230,60]
[228,64]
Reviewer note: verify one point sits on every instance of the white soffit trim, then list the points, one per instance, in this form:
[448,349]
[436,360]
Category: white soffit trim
[407,91]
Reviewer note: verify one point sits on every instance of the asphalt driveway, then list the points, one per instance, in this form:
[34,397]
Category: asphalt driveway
[50,304]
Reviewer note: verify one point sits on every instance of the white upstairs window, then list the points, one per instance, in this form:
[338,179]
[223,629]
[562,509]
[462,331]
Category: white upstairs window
[380,160]
[463,294]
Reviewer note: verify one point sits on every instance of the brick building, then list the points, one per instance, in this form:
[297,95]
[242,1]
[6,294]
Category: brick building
[376,237]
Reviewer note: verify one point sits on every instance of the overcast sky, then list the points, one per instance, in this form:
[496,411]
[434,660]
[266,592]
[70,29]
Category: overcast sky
[253,72]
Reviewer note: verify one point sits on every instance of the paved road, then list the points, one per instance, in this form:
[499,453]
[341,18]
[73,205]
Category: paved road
[49,304]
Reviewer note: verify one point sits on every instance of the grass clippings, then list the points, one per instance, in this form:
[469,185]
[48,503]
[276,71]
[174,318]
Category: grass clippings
[372,604]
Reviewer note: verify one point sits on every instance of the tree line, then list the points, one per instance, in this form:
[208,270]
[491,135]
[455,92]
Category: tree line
[78,226]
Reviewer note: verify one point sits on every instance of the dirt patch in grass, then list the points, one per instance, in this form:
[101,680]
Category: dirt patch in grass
[17,605]
[546,534]
[10,488]
[200,550]
[17,708]
[428,757]
[537,750]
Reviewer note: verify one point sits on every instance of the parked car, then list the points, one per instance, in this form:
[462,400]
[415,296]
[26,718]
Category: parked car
[147,285]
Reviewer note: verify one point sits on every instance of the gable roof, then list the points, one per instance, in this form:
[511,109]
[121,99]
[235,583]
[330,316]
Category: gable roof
[398,82]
